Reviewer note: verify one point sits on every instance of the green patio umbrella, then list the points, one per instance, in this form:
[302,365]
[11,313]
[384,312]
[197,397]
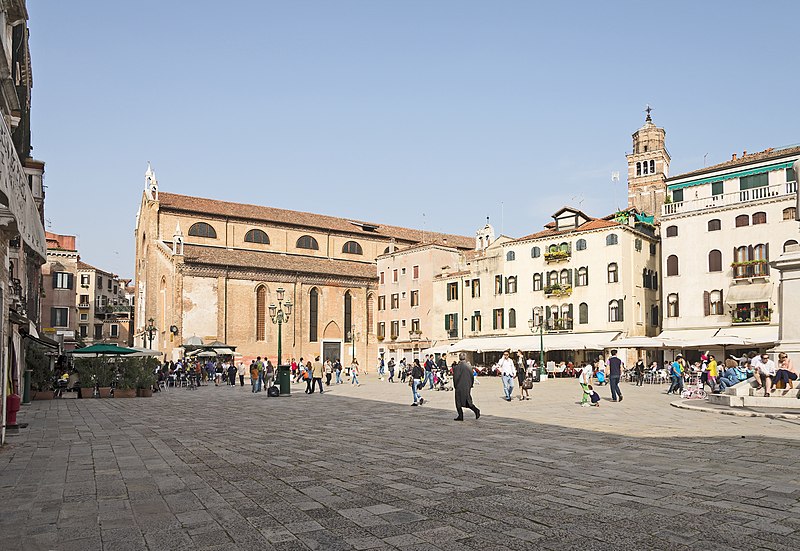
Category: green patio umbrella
[102,349]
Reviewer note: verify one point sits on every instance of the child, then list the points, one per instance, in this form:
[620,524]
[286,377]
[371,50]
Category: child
[594,397]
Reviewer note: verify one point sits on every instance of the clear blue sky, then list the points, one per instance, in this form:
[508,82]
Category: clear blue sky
[417,113]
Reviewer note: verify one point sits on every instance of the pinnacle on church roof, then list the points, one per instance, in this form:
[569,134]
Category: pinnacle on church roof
[648,109]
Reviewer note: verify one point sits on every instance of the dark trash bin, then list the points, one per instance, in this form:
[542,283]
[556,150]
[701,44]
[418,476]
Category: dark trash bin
[285,379]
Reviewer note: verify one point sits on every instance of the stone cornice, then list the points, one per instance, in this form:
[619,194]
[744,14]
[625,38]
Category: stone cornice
[254,274]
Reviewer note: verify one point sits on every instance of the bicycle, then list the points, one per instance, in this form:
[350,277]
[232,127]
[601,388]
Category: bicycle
[694,393]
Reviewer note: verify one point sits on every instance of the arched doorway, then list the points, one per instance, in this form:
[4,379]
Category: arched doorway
[331,342]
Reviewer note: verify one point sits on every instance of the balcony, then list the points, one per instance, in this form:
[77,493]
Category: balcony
[747,269]
[84,305]
[557,256]
[557,290]
[558,324]
[736,198]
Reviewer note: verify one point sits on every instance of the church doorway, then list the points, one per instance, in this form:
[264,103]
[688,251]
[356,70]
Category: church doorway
[331,351]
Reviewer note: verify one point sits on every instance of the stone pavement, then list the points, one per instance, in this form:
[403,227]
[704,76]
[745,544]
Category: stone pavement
[357,468]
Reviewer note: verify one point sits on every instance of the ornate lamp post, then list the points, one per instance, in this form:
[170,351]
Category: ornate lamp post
[352,336]
[280,314]
[150,330]
[533,326]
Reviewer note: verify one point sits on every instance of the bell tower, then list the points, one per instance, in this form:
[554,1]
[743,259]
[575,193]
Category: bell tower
[648,168]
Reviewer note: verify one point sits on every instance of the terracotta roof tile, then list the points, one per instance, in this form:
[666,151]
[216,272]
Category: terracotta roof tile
[217,256]
[758,157]
[185,203]
[596,224]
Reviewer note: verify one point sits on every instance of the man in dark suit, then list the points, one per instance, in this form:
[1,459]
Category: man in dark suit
[462,381]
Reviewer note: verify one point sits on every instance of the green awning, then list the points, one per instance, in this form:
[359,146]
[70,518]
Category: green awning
[730,175]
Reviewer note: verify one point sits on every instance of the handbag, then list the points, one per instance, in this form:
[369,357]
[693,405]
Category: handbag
[527,384]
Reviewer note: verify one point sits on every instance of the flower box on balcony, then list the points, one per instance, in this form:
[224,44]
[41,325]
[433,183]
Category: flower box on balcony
[555,256]
[557,290]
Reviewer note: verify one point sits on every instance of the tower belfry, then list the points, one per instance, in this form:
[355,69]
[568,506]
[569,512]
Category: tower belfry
[648,168]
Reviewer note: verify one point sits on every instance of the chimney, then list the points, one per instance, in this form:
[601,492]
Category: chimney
[445,241]
[744,154]
[733,157]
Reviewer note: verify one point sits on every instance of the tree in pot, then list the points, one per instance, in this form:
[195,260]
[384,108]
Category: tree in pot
[42,378]
[127,377]
[95,372]
[146,377]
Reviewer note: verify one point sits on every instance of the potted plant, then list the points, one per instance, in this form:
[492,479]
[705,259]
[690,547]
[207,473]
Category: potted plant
[146,377]
[94,372]
[42,378]
[127,378]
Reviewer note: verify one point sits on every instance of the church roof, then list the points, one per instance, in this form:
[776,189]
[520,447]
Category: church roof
[267,260]
[744,160]
[261,214]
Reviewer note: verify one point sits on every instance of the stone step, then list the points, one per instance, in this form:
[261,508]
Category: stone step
[793,393]
[741,389]
[726,400]
[774,401]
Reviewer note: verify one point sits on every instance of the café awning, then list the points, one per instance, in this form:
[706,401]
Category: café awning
[747,293]
[754,334]
[528,343]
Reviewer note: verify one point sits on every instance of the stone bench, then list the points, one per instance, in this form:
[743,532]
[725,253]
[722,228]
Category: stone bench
[744,394]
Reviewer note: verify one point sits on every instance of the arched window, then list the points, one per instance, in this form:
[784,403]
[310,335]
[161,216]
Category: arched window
[673,309]
[672,231]
[583,313]
[536,252]
[537,316]
[715,307]
[307,242]
[741,254]
[759,218]
[261,313]
[672,265]
[552,248]
[789,244]
[644,167]
[638,168]
[790,213]
[537,282]
[348,316]
[715,261]
[512,318]
[614,311]
[583,277]
[511,284]
[613,273]
[564,247]
[552,278]
[313,314]
[510,256]
[564,278]
[201,229]
[256,236]
[639,318]
[714,225]
[652,166]
[742,220]
[386,250]
[611,239]
[760,252]
[351,247]
[580,245]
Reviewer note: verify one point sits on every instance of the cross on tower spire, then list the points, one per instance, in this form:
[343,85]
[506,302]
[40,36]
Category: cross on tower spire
[648,109]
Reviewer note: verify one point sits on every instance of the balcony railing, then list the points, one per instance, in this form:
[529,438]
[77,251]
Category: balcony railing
[557,256]
[84,305]
[557,290]
[734,198]
[559,324]
[750,268]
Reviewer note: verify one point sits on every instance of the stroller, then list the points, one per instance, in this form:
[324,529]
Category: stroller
[442,381]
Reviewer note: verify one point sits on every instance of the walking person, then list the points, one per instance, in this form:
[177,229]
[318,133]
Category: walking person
[317,370]
[260,366]
[416,381]
[507,372]
[254,377]
[307,376]
[391,370]
[337,367]
[328,372]
[231,374]
[354,373]
[403,370]
[240,370]
[269,375]
[639,372]
[615,367]
[521,374]
[428,372]
[585,379]
[463,380]
[676,374]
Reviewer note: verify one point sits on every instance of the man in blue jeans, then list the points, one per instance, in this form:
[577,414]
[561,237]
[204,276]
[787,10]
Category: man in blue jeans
[615,367]
[507,372]
[428,372]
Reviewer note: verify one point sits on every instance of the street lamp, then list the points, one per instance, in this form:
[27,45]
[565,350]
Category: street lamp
[352,335]
[151,330]
[280,314]
[532,326]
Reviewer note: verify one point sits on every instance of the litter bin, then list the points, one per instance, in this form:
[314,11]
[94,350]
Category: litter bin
[285,379]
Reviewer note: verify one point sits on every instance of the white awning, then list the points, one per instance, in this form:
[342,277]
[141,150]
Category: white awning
[752,292]
[756,334]
[561,341]
[639,342]
[438,349]
[677,337]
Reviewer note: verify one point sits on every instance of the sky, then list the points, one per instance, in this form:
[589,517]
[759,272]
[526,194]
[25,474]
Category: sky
[429,114]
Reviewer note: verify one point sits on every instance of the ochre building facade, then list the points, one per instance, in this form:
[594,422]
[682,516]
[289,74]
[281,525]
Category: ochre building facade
[209,269]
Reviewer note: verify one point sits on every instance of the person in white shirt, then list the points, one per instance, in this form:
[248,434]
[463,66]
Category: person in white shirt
[584,379]
[507,372]
[764,370]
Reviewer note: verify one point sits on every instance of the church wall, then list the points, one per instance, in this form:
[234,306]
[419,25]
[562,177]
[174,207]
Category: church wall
[200,306]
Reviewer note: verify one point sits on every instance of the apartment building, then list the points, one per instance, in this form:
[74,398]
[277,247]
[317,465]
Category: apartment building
[104,311]
[59,276]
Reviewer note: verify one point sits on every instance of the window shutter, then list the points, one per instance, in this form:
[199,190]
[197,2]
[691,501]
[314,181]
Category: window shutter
[721,301]
[569,314]
[587,276]
[55,280]
[569,277]
[53,317]
[766,257]
[447,322]
[70,281]
[706,303]
[547,314]
[621,310]
[577,277]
